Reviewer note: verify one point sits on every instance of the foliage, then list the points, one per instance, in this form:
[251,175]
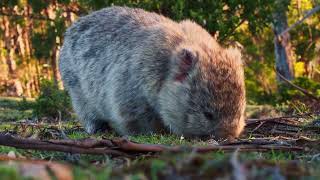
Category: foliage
[216,16]
[307,34]
[287,92]
[38,5]
[245,22]
[260,83]
[52,102]
[9,3]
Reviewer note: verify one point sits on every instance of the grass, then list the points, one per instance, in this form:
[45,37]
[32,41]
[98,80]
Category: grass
[13,109]
[215,164]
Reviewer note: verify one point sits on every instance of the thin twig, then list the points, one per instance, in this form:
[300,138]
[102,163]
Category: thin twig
[308,14]
[257,127]
[233,30]
[281,118]
[275,120]
[304,91]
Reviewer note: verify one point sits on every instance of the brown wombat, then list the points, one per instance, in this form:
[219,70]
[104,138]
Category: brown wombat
[140,72]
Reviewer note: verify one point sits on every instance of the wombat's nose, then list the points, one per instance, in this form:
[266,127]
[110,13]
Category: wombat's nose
[228,132]
[229,128]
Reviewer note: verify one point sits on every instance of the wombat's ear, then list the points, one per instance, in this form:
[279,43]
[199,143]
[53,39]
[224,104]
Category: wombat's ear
[186,60]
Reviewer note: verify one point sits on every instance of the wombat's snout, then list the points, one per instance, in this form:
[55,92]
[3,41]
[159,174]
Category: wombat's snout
[221,132]
[229,130]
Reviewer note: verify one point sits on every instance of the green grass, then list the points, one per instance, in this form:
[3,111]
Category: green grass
[16,102]
[159,139]
[144,166]
[7,114]
[6,150]
[13,109]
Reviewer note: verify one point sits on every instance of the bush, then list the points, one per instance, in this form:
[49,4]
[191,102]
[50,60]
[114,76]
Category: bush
[52,102]
[287,92]
[260,83]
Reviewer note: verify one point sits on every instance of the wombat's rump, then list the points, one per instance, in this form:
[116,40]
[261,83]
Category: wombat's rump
[140,72]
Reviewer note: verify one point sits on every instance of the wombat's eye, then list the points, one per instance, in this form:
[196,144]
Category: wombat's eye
[208,115]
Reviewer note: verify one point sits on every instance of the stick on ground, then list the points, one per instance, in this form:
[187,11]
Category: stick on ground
[124,147]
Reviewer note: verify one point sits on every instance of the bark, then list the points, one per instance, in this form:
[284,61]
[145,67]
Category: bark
[8,46]
[10,35]
[282,46]
[51,14]
[54,66]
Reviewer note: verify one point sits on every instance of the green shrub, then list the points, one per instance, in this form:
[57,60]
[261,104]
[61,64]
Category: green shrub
[52,102]
[287,92]
[260,83]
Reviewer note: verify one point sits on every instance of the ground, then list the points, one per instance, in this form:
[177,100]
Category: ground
[302,130]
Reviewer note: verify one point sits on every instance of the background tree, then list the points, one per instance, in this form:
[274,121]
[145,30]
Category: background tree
[32,33]
[282,45]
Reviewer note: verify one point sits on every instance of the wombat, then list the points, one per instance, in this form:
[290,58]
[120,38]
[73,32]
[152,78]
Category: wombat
[140,72]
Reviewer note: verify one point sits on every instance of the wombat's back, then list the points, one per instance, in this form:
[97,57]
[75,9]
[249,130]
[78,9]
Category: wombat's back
[94,43]
[108,58]
[102,28]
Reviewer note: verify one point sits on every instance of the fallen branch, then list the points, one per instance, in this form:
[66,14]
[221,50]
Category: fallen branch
[132,146]
[124,147]
[22,143]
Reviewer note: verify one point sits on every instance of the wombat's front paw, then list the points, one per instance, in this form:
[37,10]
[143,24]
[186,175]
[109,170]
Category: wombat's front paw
[92,128]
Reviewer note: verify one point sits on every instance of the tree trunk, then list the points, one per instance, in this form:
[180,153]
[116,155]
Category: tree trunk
[54,65]
[282,46]
[51,14]
[14,84]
